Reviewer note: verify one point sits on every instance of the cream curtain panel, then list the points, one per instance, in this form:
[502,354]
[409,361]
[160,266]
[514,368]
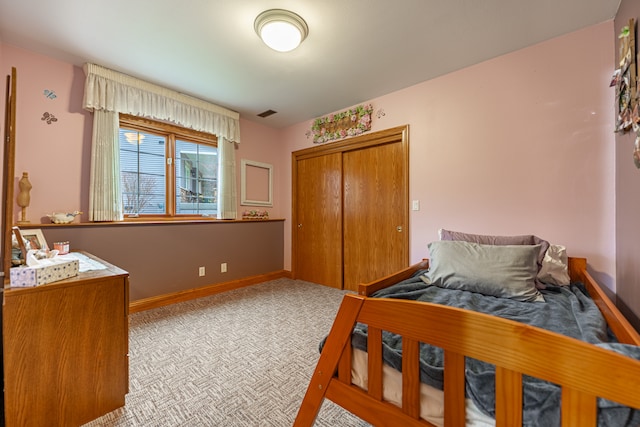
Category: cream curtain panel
[105,197]
[226,179]
[111,91]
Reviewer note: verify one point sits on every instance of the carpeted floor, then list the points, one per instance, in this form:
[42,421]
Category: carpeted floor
[241,358]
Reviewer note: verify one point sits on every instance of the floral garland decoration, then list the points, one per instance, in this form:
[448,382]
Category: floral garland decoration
[351,122]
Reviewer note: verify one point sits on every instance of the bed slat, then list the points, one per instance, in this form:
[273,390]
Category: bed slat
[411,377]
[508,397]
[578,409]
[454,403]
[374,351]
[344,368]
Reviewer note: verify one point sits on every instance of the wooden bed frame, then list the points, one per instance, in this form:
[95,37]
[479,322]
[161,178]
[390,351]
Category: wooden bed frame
[514,348]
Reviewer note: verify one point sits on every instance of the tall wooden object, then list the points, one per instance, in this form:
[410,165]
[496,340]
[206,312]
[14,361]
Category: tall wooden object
[66,349]
[8,171]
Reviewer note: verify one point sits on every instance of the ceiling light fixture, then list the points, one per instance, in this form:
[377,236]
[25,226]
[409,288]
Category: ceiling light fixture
[280,29]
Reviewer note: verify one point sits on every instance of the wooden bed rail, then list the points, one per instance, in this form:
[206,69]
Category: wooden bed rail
[582,370]
[620,326]
[367,289]
[515,348]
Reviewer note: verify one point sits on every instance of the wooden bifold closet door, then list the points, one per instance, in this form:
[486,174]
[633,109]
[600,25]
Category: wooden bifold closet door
[350,209]
[319,223]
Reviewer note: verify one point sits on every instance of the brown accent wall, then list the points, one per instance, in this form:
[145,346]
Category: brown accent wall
[627,198]
[164,258]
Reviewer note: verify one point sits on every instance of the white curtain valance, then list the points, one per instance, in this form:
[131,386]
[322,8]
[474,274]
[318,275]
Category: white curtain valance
[110,90]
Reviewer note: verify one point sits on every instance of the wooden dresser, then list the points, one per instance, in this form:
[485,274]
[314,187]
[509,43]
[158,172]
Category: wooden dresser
[66,349]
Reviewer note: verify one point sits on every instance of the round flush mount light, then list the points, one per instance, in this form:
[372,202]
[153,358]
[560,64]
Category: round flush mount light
[280,29]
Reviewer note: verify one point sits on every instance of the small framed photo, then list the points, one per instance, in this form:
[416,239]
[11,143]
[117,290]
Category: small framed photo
[34,238]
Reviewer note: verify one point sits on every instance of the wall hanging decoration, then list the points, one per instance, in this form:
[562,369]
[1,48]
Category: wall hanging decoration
[48,118]
[624,79]
[50,94]
[351,122]
[256,183]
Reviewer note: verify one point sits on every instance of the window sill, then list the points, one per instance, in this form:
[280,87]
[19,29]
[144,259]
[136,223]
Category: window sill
[130,221]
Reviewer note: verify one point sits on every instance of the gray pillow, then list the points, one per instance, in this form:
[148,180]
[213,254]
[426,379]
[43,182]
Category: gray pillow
[527,239]
[504,271]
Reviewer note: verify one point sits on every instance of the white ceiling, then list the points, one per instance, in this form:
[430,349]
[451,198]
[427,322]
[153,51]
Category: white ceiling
[356,49]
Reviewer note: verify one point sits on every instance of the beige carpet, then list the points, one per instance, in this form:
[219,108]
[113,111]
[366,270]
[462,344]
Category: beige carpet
[242,358]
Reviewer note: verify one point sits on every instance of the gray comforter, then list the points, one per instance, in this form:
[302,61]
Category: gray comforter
[567,310]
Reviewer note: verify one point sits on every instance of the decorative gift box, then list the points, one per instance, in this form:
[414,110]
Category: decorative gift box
[24,277]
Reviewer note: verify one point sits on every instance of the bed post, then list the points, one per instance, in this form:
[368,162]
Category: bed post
[339,337]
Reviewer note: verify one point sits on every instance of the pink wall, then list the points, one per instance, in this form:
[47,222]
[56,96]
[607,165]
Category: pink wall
[522,143]
[57,155]
[519,144]
[263,144]
[627,197]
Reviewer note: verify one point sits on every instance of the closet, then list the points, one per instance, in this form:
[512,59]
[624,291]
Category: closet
[351,209]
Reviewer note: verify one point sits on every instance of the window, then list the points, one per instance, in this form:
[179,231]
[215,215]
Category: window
[166,170]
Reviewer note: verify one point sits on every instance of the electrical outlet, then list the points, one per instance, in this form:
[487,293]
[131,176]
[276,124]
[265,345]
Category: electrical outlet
[201,271]
[223,267]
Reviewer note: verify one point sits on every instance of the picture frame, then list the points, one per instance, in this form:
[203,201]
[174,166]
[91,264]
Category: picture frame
[256,183]
[35,238]
[23,249]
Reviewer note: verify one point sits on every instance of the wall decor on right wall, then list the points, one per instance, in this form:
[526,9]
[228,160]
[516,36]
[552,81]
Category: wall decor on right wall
[636,150]
[624,79]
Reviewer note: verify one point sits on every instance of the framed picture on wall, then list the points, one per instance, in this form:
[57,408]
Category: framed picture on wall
[256,183]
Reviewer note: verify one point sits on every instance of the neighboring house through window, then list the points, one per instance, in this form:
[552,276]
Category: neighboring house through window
[167,170]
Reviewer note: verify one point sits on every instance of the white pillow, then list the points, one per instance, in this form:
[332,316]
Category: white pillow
[555,266]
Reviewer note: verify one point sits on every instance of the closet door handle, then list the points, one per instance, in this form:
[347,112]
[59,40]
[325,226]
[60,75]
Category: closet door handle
[399,229]
[299,225]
